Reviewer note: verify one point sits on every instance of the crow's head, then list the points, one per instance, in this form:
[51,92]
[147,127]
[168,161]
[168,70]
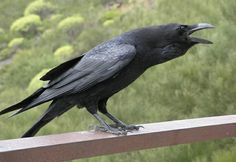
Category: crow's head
[181,34]
[172,40]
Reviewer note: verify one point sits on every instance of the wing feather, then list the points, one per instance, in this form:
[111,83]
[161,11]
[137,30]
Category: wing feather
[96,66]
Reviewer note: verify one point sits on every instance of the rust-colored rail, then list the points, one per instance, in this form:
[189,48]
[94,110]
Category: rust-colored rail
[76,145]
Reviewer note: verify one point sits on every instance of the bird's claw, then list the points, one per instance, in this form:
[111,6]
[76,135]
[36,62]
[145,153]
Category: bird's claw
[128,128]
[133,127]
[112,130]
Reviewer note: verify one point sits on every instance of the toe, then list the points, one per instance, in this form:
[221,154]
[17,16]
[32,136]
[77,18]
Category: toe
[116,131]
[132,127]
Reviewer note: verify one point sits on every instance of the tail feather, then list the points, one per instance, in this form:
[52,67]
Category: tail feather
[21,105]
[56,108]
[43,120]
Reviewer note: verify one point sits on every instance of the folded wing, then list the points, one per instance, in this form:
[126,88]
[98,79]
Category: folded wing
[96,66]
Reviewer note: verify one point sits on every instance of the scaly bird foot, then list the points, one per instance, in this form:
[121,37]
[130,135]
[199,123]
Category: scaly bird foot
[128,128]
[112,130]
[132,127]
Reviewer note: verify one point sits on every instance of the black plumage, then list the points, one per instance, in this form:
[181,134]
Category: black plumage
[89,80]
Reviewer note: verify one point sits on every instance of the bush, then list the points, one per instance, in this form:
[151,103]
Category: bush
[11,48]
[55,18]
[47,33]
[41,8]
[108,23]
[35,83]
[64,52]
[27,26]
[6,53]
[72,25]
[16,42]
[110,15]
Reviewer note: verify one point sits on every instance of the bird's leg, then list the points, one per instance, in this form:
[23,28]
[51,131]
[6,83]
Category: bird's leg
[121,124]
[104,126]
[118,123]
[107,128]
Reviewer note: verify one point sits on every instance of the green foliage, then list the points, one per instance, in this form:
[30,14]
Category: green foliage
[110,15]
[1,31]
[64,52]
[40,7]
[35,83]
[5,53]
[86,41]
[72,25]
[225,155]
[27,26]
[108,23]
[11,48]
[16,42]
[10,11]
[70,22]
[56,17]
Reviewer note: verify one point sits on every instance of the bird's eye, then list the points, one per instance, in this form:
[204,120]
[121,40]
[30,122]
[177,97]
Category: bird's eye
[181,29]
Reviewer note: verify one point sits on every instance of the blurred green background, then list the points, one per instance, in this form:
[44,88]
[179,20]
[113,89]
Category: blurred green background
[38,35]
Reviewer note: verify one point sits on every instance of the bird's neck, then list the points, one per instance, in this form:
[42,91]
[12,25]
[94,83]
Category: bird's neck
[161,55]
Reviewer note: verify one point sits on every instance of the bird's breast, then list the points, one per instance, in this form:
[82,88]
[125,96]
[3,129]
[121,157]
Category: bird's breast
[122,79]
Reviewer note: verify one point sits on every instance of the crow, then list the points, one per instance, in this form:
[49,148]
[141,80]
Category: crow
[92,78]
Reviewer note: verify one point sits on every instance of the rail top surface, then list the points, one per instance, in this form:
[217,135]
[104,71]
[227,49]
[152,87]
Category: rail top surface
[77,145]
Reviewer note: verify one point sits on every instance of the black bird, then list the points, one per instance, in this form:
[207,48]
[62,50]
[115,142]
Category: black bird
[89,80]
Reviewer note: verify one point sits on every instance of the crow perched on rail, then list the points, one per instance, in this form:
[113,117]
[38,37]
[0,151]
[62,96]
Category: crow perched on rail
[89,80]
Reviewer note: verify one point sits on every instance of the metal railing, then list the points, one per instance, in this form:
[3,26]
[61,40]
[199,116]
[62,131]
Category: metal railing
[77,145]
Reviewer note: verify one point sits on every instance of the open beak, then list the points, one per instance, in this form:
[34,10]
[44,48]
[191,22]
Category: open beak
[196,27]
